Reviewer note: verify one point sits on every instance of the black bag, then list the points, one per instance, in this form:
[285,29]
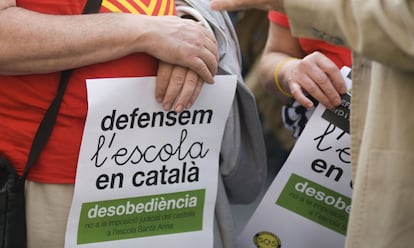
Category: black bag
[12,207]
[12,198]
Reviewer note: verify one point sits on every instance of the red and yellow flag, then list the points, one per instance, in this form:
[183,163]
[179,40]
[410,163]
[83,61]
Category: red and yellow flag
[145,7]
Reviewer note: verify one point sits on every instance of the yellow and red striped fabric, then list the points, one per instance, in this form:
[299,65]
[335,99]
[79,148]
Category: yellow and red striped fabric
[146,7]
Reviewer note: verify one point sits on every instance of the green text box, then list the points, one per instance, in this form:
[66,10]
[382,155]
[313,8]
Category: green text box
[316,202]
[141,216]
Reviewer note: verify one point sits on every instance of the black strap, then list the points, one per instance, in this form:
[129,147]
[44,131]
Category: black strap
[46,125]
[92,7]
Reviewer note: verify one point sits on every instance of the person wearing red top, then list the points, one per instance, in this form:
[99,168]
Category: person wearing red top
[301,72]
[39,39]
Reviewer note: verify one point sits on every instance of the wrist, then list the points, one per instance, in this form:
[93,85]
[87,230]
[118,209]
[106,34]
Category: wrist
[279,79]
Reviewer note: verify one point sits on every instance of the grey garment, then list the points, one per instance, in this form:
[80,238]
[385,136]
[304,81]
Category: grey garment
[224,229]
[243,155]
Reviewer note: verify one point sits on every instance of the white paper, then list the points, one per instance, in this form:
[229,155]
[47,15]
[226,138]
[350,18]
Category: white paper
[147,177]
[308,203]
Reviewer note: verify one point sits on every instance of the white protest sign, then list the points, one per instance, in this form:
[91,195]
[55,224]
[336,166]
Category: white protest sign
[308,203]
[147,177]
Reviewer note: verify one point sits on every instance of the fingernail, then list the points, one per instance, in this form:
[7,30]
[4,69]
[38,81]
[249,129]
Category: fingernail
[211,81]
[178,108]
[338,101]
[159,99]
[167,106]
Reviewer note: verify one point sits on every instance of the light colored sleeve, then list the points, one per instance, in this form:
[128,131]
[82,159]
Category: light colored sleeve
[381,30]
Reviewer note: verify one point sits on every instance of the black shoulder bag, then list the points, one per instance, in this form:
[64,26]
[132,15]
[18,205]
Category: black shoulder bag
[12,198]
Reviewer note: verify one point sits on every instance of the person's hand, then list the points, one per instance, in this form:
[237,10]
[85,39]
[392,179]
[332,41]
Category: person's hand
[231,5]
[186,43]
[315,75]
[176,86]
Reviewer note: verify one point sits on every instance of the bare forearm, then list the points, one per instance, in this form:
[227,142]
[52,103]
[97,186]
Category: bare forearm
[31,42]
[37,43]
[267,68]
[247,4]
[279,45]
[297,72]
